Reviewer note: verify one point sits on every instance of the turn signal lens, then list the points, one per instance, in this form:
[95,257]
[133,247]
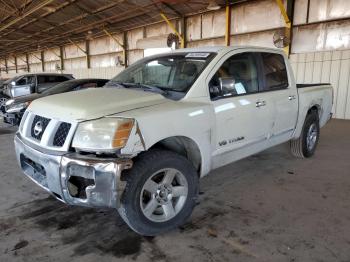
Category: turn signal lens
[122,134]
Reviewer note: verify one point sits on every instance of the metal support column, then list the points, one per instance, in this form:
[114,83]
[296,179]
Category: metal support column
[122,45]
[286,15]
[183,30]
[42,61]
[290,13]
[6,66]
[27,62]
[126,47]
[84,51]
[87,52]
[171,25]
[228,25]
[61,59]
[16,67]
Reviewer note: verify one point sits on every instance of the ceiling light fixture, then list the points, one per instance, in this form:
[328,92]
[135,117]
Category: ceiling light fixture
[49,9]
[213,5]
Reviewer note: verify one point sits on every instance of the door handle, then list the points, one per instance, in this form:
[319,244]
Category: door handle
[292,97]
[260,103]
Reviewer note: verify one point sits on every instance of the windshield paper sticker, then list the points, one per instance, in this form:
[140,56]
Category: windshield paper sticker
[198,55]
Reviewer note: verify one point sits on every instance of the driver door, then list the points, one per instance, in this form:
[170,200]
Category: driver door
[24,86]
[243,115]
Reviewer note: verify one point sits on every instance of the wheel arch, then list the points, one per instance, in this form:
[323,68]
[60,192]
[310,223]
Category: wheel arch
[313,108]
[316,108]
[184,146]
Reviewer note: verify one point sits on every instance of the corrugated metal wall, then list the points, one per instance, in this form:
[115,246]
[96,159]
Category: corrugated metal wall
[100,72]
[327,67]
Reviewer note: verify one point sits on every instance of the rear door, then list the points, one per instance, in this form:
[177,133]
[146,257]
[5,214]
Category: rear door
[277,86]
[243,115]
[47,81]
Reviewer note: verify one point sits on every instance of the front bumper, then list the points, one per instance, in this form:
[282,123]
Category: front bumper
[73,178]
[12,118]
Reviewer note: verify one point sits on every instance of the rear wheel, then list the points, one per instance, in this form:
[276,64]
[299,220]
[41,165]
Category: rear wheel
[306,144]
[160,194]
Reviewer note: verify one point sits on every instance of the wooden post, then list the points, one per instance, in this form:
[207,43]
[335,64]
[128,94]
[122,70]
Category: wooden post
[87,52]
[42,61]
[27,62]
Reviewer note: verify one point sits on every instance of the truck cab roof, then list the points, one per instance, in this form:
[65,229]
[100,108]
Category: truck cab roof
[217,49]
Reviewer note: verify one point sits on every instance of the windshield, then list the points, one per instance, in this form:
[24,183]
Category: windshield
[11,79]
[172,72]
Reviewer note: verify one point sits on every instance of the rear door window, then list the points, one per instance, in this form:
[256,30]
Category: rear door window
[60,78]
[274,71]
[51,79]
[41,80]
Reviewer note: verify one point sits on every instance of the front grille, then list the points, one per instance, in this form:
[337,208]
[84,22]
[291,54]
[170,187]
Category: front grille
[61,134]
[38,127]
[51,134]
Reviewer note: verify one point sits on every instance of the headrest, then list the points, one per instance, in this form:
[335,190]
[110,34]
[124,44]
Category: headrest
[189,69]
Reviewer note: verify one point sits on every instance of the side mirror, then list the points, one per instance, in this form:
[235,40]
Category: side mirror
[227,85]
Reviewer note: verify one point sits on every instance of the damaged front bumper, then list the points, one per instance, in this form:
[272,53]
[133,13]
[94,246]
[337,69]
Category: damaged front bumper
[12,118]
[73,178]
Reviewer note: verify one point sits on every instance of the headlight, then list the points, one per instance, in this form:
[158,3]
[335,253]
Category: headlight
[9,102]
[103,135]
[15,108]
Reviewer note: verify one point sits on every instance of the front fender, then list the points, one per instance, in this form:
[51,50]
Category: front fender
[179,119]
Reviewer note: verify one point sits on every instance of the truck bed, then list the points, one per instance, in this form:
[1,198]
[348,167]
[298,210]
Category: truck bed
[319,95]
[311,85]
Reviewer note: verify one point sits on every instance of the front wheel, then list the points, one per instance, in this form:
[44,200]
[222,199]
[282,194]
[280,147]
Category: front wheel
[3,100]
[160,194]
[306,144]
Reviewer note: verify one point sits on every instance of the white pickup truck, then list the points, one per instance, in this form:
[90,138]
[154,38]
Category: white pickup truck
[140,144]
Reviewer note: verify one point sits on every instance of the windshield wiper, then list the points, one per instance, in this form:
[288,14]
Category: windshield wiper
[138,85]
[152,88]
[149,87]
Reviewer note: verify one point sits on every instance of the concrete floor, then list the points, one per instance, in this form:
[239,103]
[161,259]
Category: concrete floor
[269,207]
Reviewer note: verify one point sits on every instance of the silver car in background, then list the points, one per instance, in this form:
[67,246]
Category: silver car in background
[32,83]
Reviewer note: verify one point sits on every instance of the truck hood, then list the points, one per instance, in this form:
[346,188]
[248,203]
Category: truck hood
[93,103]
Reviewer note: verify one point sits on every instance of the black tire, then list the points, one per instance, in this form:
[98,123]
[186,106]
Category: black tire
[145,165]
[3,99]
[299,147]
